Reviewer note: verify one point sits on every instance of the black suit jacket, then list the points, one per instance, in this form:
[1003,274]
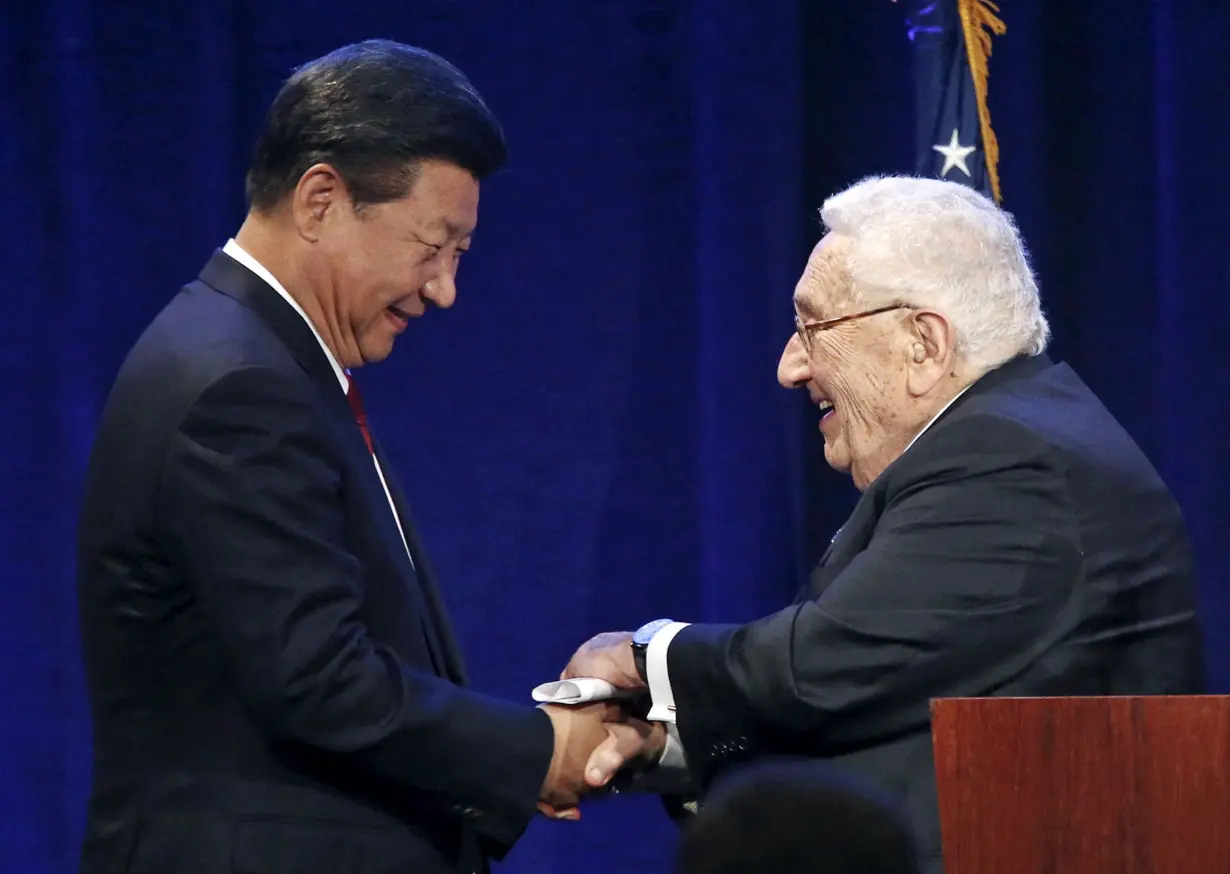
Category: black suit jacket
[1023,546]
[273,685]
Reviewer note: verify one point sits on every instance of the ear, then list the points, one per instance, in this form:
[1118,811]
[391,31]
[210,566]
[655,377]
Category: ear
[320,195]
[930,353]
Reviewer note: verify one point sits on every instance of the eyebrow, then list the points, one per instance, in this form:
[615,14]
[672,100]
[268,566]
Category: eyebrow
[452,228]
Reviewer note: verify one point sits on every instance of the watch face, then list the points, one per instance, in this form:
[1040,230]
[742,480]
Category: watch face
[646,632]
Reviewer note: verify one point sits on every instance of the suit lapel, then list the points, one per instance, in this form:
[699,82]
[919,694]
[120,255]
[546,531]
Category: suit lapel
[445,639]
[850,539]
[390,536]
[853,537]
[231,278]
[223,273]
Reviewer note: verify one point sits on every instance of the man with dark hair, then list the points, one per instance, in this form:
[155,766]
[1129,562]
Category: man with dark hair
[273,680]
[373,111]
[795,818]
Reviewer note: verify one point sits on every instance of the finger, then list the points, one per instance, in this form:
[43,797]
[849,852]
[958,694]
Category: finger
[642,727]
[623,743]
[571,814]
[613,712]
[576,667]
[601,711]
[603,763]
[601,657]
[586,664]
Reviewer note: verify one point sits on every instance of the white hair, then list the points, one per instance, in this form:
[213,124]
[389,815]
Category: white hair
[943,246]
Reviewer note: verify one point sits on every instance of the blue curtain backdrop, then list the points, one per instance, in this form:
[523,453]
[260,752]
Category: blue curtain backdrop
[592,437]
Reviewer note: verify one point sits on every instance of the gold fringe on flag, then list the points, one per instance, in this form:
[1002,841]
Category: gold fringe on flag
[979,19]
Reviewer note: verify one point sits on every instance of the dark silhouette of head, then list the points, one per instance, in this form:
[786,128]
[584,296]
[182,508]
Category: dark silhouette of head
[797,818]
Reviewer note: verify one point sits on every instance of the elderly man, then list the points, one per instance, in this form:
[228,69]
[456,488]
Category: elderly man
[1011,539]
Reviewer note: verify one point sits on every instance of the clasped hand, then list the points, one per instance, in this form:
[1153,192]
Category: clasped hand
[596,741]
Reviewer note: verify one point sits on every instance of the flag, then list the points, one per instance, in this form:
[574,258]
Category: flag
[952,46]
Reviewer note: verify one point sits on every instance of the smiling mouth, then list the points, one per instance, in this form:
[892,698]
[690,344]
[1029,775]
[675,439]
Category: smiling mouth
[400,313]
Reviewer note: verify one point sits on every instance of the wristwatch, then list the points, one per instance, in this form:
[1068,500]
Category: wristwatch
[640,644]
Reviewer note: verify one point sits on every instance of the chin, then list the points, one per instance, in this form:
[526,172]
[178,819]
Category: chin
[374,351]
[836,458]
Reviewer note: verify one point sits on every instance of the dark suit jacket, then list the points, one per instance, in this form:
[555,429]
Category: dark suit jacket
[1023,546]
[273,685]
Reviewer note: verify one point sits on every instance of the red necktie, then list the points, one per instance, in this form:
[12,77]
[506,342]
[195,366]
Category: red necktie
[360,415]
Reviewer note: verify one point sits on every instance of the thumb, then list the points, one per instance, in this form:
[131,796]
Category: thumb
[623,742]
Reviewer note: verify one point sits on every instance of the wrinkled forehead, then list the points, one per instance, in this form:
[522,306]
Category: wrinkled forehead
[824,283]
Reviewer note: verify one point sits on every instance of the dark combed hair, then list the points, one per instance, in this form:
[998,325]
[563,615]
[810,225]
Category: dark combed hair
[373,111]
[796,818]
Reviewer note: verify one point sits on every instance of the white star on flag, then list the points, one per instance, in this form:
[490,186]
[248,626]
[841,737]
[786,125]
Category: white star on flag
[955,154]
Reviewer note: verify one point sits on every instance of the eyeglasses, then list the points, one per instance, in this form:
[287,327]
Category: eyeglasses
[805,329]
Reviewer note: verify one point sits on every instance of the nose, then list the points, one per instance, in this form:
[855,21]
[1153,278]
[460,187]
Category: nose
[441,289]
[794,367]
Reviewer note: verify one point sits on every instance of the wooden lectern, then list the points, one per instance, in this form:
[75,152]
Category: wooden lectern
[1122,785]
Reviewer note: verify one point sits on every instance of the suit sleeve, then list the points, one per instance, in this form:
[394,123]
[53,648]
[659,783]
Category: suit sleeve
[970,574]
[251,494]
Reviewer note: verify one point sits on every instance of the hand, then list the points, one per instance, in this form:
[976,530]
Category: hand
[600,737]
[607,657]
[610,758]
[578,732]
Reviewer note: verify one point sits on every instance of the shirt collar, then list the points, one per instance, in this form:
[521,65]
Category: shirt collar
[943,410]
[237,252]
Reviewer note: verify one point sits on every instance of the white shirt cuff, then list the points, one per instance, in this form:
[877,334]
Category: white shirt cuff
[674,758]
[670,776]
[658,677]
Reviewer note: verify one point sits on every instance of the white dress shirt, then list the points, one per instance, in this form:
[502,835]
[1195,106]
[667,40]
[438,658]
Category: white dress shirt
[658,677]
[237,252]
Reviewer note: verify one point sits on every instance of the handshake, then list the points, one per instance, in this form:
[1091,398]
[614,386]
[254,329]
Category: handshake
[597,740]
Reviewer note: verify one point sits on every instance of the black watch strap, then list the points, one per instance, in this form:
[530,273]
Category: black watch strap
[639,654]
[640,645]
